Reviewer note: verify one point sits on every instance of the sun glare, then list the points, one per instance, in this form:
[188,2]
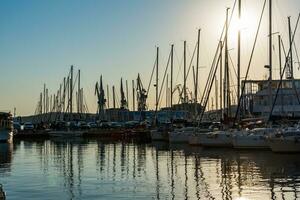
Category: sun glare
[247,23]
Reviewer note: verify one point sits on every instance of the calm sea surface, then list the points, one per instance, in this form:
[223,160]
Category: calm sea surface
[93,169]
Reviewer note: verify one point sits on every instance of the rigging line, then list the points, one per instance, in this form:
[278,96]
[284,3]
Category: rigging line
[296,51]
[209,89]
[282,45]
[233,67]
[179,66]
[285,65]
[250,61]
[163,81]
[160,99]
[191,62]
[151,76]
[211,71]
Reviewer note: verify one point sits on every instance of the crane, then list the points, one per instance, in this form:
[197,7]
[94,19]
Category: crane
[123,99]
[141,95]
[101,98]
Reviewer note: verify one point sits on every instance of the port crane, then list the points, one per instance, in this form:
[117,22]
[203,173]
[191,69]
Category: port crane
[141,95]
[123,99]
[101,98]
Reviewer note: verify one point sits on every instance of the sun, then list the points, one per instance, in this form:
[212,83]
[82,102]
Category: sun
[246,24]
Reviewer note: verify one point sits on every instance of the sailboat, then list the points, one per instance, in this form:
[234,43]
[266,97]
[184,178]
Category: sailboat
[288,140]
[6,126]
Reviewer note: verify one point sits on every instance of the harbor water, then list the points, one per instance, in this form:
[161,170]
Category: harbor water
[93,169]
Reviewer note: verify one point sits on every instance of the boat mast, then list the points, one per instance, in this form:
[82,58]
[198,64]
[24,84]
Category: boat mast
[221,79]
[71,90]
[239,57]
[291,48]
[156,82]
[280,69]
[197,71]
[227,83]
[171,86]
[78,95]
[127,94]
[44,99]
[270,55]
[133,96]
[107,89]
[184,72]
[114,97]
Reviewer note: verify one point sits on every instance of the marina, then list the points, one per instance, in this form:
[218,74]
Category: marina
[168,130]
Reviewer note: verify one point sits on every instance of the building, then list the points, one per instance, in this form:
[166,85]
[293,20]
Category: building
[256,98]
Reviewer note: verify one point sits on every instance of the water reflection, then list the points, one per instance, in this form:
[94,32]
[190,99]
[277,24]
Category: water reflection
[94,169]
[6,150]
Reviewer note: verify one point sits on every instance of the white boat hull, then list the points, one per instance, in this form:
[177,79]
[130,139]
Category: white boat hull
[181,135]
[215,140]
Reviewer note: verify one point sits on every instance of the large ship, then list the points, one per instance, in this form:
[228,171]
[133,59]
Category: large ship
[6,126]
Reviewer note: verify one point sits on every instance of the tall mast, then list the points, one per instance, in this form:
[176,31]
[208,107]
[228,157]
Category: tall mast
[64,94]
[71,90]
[78,102]
[127,94]
[107,89]
[171,86]
[60,98]
[114,97]
[44,99]
[197,71]
[156,82]
[184,72]
[291,45]
[68,92]
[51,103]
[47,101]
[239,56]
[133,96]
[221,79]
[227,84]
[280,69]
[270,55]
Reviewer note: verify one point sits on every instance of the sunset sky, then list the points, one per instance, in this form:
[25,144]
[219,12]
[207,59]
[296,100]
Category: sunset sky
[39,40]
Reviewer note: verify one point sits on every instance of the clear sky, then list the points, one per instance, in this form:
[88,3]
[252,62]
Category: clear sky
[39,40]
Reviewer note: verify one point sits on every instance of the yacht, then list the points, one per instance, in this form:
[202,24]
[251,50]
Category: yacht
[216,139]
[195,138]
[181,135]
[6,126]
[252,139]
[286,141]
